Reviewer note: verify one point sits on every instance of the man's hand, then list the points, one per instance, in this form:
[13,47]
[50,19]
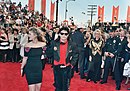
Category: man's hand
[21,72]
[112,55]
[90,58]
[107,54]
[122,59]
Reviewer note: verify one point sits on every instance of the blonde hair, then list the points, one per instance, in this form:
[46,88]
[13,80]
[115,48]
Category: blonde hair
[97,31]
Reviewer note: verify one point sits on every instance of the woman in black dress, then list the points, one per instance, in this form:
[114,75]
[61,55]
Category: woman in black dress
[95,58]
[32,63]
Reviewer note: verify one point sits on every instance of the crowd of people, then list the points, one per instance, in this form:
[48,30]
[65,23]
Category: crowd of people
[30,38]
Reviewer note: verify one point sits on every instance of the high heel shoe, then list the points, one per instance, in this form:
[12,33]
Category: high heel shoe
[95,82]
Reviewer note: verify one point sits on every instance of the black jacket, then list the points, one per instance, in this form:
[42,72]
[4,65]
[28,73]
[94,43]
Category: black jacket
[113,45]
[71,55]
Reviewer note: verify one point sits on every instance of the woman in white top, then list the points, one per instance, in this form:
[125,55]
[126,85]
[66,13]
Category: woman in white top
[23,41]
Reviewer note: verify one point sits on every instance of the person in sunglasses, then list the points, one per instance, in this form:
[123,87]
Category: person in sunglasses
[65,57]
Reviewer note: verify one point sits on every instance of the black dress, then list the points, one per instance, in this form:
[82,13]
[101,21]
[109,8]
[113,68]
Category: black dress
[33,67]
[94,69]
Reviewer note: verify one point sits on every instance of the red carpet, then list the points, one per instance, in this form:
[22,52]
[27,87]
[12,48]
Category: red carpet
[10,80]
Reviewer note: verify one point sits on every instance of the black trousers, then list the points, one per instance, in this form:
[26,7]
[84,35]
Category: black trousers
[121,65]
[10,55]
[62,77]
[117,75]
[16,56]
[81,62]
[3,54]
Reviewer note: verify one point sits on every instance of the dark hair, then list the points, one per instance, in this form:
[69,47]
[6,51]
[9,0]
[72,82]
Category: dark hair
[84,32]
[64,28]
[56,27]
[79,29]
[89,27]
[15,30]
[38,34]
[43,29]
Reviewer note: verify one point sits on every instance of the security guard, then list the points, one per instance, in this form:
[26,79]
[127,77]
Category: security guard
[111,51]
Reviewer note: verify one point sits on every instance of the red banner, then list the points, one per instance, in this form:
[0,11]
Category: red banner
[31,5]
[43,7]
[115,14]
[128,15]
[52,11]
[101,13]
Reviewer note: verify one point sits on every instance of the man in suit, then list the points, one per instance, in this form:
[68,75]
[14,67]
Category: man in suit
[124,42]
[65,57]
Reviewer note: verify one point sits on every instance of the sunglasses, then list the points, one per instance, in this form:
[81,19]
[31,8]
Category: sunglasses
[64,34]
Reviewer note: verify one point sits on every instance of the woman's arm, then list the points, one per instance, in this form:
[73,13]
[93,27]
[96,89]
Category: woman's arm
[23,64]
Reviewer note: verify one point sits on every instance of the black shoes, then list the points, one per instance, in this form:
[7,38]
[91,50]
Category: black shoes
[77,71]
[87,79]
[102,82]
[83,77]
[95,82]
[4,61]
[118,88]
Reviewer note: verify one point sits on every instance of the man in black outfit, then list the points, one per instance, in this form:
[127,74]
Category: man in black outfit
[78,38]
[65,57]
[124,42]
[111,51]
